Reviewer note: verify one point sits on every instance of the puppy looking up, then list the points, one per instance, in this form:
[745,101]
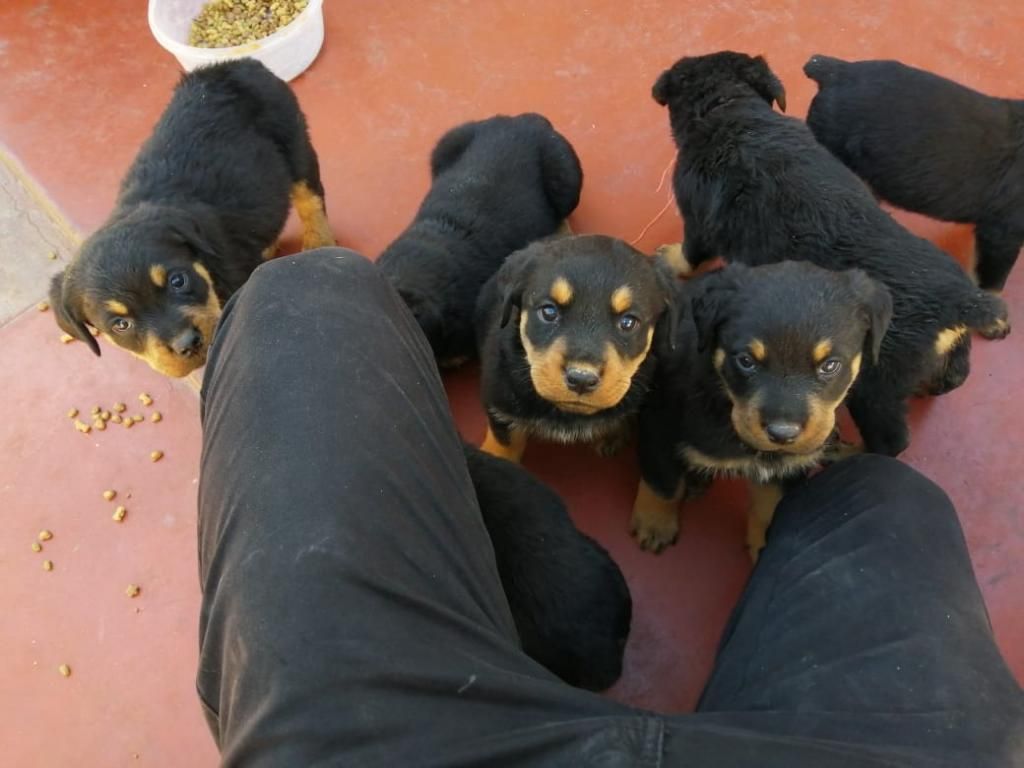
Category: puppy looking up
[756,187]
[568,598]
[565,328]
[497,185]
[930,145]
[763,358]
[206,197]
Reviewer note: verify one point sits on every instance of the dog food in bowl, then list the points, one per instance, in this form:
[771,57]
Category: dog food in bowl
[224,23]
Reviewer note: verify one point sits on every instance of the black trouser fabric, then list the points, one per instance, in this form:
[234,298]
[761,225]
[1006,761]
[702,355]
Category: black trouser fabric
[352,614]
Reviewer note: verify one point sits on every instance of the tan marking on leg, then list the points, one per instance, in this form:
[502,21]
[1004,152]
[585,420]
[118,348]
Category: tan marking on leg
[316,233]
[512,452]
[948,338]
[561,291]
[158,275]
[758,350]
[655,520]
[674,257]
[763,500]
[622,299]
[115,306]
[270,251]
[821,350]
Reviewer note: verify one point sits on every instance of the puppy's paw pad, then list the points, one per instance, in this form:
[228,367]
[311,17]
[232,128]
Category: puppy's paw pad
[653,535]
[998,330]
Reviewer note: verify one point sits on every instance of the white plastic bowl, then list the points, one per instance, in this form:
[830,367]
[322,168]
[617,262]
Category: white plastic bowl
[287,53]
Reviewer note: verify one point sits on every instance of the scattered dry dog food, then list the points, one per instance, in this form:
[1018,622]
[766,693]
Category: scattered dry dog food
[138,417]
[66,338]
[120,407]
[72,413]
[119,514]
[99,424]
[116,418]
[105,415]
[156,455]
[82,427]
[95,410]
[94,331]
[109,495]
[47,565]
[37,547]
[145,399]
[45,535]
[224,23]
[52,255]
[128,421]
[155,417]
[42,306]
[65,670]
[133,590]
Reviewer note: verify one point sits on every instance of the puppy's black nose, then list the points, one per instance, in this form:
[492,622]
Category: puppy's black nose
[581,380]
[187,342]
[782,431]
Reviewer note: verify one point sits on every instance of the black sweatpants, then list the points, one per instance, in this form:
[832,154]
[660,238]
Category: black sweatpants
[352,614]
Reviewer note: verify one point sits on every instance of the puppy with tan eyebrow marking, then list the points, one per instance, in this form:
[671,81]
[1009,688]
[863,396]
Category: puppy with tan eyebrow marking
[763,358]
[565,331]
[205,199]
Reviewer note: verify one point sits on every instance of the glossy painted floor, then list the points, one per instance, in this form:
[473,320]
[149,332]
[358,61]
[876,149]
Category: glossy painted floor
[82,89]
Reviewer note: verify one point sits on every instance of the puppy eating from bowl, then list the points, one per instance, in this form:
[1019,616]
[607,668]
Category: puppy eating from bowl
[565,330]
[763,357]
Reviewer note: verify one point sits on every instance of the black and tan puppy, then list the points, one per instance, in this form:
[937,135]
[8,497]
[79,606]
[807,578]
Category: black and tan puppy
[565,329]
[497,185]
[206,197]
[568,598]
[930,145]
[755,187]
[762,359]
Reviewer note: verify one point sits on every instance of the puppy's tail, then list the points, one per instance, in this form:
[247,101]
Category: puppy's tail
[823,69]
[986,314]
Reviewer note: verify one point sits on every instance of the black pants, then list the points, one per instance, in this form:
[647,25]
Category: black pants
[352,614]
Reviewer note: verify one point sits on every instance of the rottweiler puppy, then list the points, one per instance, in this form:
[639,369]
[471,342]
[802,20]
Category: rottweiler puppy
[497,185]
[565,329]
[930,145]
[756,187]
[763,357]
[570,603]
[202,204]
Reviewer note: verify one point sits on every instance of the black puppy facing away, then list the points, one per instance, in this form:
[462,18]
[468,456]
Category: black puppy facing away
[930,145]
[568,598]
[497,185]
[763,357]
[756,187]
[564,329]
[202,204]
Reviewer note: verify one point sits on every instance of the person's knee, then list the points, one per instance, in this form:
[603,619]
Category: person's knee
[301,270]
[876,486]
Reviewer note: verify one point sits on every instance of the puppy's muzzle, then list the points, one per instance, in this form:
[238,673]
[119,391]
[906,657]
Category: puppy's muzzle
[188,343]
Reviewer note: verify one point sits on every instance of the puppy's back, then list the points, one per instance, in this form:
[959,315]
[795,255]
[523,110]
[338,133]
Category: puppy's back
[570,603]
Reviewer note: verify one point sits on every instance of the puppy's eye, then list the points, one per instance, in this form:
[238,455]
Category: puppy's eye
[548,313]
[830,367]
[628,323]
[121,325]
[178,281]
[746,363]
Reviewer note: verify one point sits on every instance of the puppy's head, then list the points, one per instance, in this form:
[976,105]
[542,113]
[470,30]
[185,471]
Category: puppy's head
[141,281]
[694,84]
[787,341]
[586,309]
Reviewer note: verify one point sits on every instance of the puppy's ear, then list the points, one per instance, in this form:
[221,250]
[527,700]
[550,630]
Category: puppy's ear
[662,90]
[189,230]
[875,306]
[711,304]
[760,77]
[668,323]
[67,305]
[512,278]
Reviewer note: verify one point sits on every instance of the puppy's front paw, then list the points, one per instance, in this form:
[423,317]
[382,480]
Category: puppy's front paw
[1000,329]
[675,259]
[654,529]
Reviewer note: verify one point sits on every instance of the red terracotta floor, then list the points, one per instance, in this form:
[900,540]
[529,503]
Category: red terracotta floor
[83,85]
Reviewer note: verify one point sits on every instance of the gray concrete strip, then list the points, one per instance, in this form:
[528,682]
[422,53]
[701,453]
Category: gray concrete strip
[31,231]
